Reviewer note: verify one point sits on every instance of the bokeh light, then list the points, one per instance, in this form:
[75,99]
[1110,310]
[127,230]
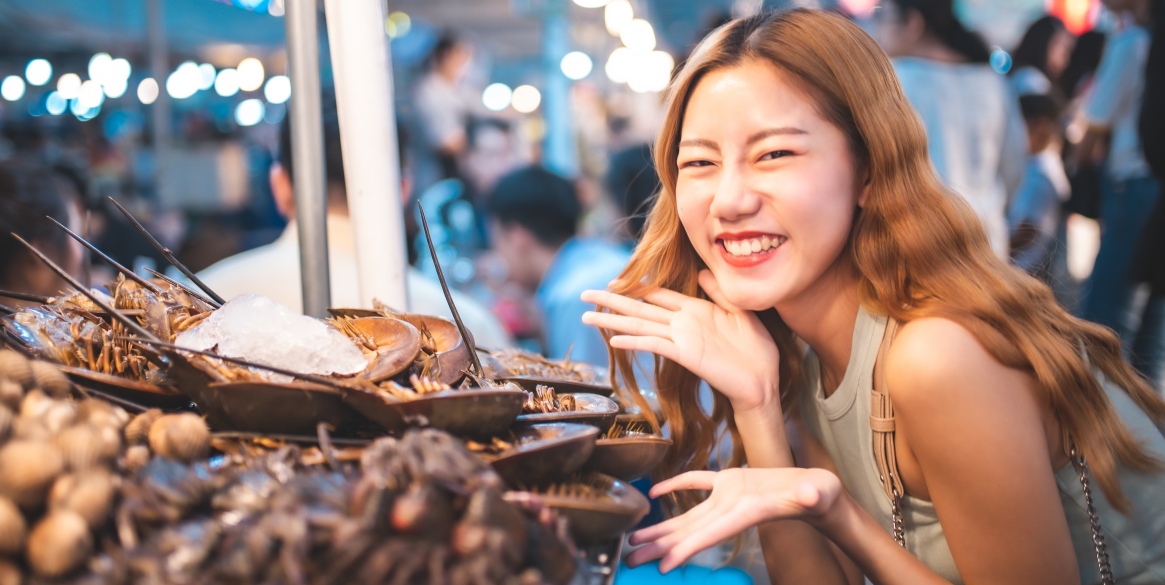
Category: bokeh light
[250,74]
[55,104]
[148,91]
[591,3]
[617,15]
[249,112]
[69,85]
[278,89]
[397,25]
[576,65]
[38,72]
[90,95]
[99,67]
[226,83]
[184,81]
[206,75]
[496,97]
[638,35]
[526,98]
[12,88]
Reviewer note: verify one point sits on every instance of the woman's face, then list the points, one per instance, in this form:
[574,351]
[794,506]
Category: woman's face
[766,188]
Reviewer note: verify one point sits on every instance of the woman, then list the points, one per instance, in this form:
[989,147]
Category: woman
[1041,57]
[799,208]
[975,130]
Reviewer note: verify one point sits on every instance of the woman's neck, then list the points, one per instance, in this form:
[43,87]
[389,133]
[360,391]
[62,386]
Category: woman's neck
[824,316]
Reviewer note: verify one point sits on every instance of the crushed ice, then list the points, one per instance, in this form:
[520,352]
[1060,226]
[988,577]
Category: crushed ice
[259,330]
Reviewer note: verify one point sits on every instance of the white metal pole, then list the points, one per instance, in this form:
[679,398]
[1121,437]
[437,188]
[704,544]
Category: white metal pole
[307,150]
[362,67]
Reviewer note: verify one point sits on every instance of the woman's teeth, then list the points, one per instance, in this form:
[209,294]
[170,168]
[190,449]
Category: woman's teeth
[752,245]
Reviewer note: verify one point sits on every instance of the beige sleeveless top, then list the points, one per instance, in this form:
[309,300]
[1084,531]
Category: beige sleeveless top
[841,422]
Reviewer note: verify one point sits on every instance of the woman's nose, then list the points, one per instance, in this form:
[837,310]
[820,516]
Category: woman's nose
[734,197]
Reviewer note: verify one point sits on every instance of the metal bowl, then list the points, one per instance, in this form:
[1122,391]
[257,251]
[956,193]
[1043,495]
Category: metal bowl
[545,452]
[472,412]
[616,508]
[591,409]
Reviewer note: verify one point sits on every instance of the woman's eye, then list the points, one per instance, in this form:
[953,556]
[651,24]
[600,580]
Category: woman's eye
[695,163]
[775,154]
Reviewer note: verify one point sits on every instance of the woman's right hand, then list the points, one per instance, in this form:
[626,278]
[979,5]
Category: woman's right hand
[727,347]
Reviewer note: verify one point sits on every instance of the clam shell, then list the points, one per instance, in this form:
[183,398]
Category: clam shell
[16,368]
[184,437]
[26,470]
[136,457]
[50,379]
[90,494]
[138,429]
[30,429]
[13,529]
[101,413]
[35,404]
[59,544]
[11,393]
[81,446]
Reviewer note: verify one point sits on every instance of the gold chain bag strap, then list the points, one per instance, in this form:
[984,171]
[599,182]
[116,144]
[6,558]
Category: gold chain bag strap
[882,425]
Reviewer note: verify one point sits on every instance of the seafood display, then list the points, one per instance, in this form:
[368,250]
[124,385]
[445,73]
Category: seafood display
[152,433]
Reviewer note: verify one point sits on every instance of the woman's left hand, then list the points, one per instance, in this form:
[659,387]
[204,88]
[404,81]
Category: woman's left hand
[741,498]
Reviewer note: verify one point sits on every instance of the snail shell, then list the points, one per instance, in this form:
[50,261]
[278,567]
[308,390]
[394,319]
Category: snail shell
[82,448]
[89,493]
[136,457]
[11,393]
[50,379]
[59,544]
[16,368]
[26,470]
[138,428]
[13,530]
[7,417]
[184,437]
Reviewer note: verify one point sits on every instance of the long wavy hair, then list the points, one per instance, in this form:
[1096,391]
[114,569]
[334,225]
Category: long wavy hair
[918,248]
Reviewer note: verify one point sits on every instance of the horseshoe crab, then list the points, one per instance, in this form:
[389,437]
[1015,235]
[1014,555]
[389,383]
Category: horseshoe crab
[537,454]
[591,409]
[598,507]
[629,450]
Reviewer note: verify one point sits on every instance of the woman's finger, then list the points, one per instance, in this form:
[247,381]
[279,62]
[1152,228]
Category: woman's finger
[692,480]
[668,299]
[657,345]
[658,531]
[626,325]
[623,305]
[711,288]
[716,530]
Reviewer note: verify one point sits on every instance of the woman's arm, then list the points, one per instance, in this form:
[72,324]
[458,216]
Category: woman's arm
[975,437]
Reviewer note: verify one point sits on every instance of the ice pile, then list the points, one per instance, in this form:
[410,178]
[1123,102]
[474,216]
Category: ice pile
[261,331]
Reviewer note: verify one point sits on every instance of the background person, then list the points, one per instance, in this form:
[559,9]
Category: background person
[1034,214]
[974,129]
[534,217]
[274,272]
[28,193]
[1128,190]
[1040,58]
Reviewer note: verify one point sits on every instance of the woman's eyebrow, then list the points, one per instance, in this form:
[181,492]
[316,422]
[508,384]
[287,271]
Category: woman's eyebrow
[754,138]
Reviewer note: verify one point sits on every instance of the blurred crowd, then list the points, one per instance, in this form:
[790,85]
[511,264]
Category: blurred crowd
[1051,142]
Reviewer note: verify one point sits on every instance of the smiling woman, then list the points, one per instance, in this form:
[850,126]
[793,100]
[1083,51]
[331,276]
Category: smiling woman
[945,402]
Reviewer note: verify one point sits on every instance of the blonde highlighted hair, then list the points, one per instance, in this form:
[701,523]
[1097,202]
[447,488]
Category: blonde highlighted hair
[918,248]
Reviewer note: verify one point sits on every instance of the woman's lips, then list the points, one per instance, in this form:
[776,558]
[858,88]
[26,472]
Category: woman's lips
[745,252]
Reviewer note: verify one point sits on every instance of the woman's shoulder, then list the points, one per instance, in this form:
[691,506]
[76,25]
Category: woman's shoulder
[936,361]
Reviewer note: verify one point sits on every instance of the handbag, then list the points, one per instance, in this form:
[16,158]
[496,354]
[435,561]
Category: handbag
[882,425]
